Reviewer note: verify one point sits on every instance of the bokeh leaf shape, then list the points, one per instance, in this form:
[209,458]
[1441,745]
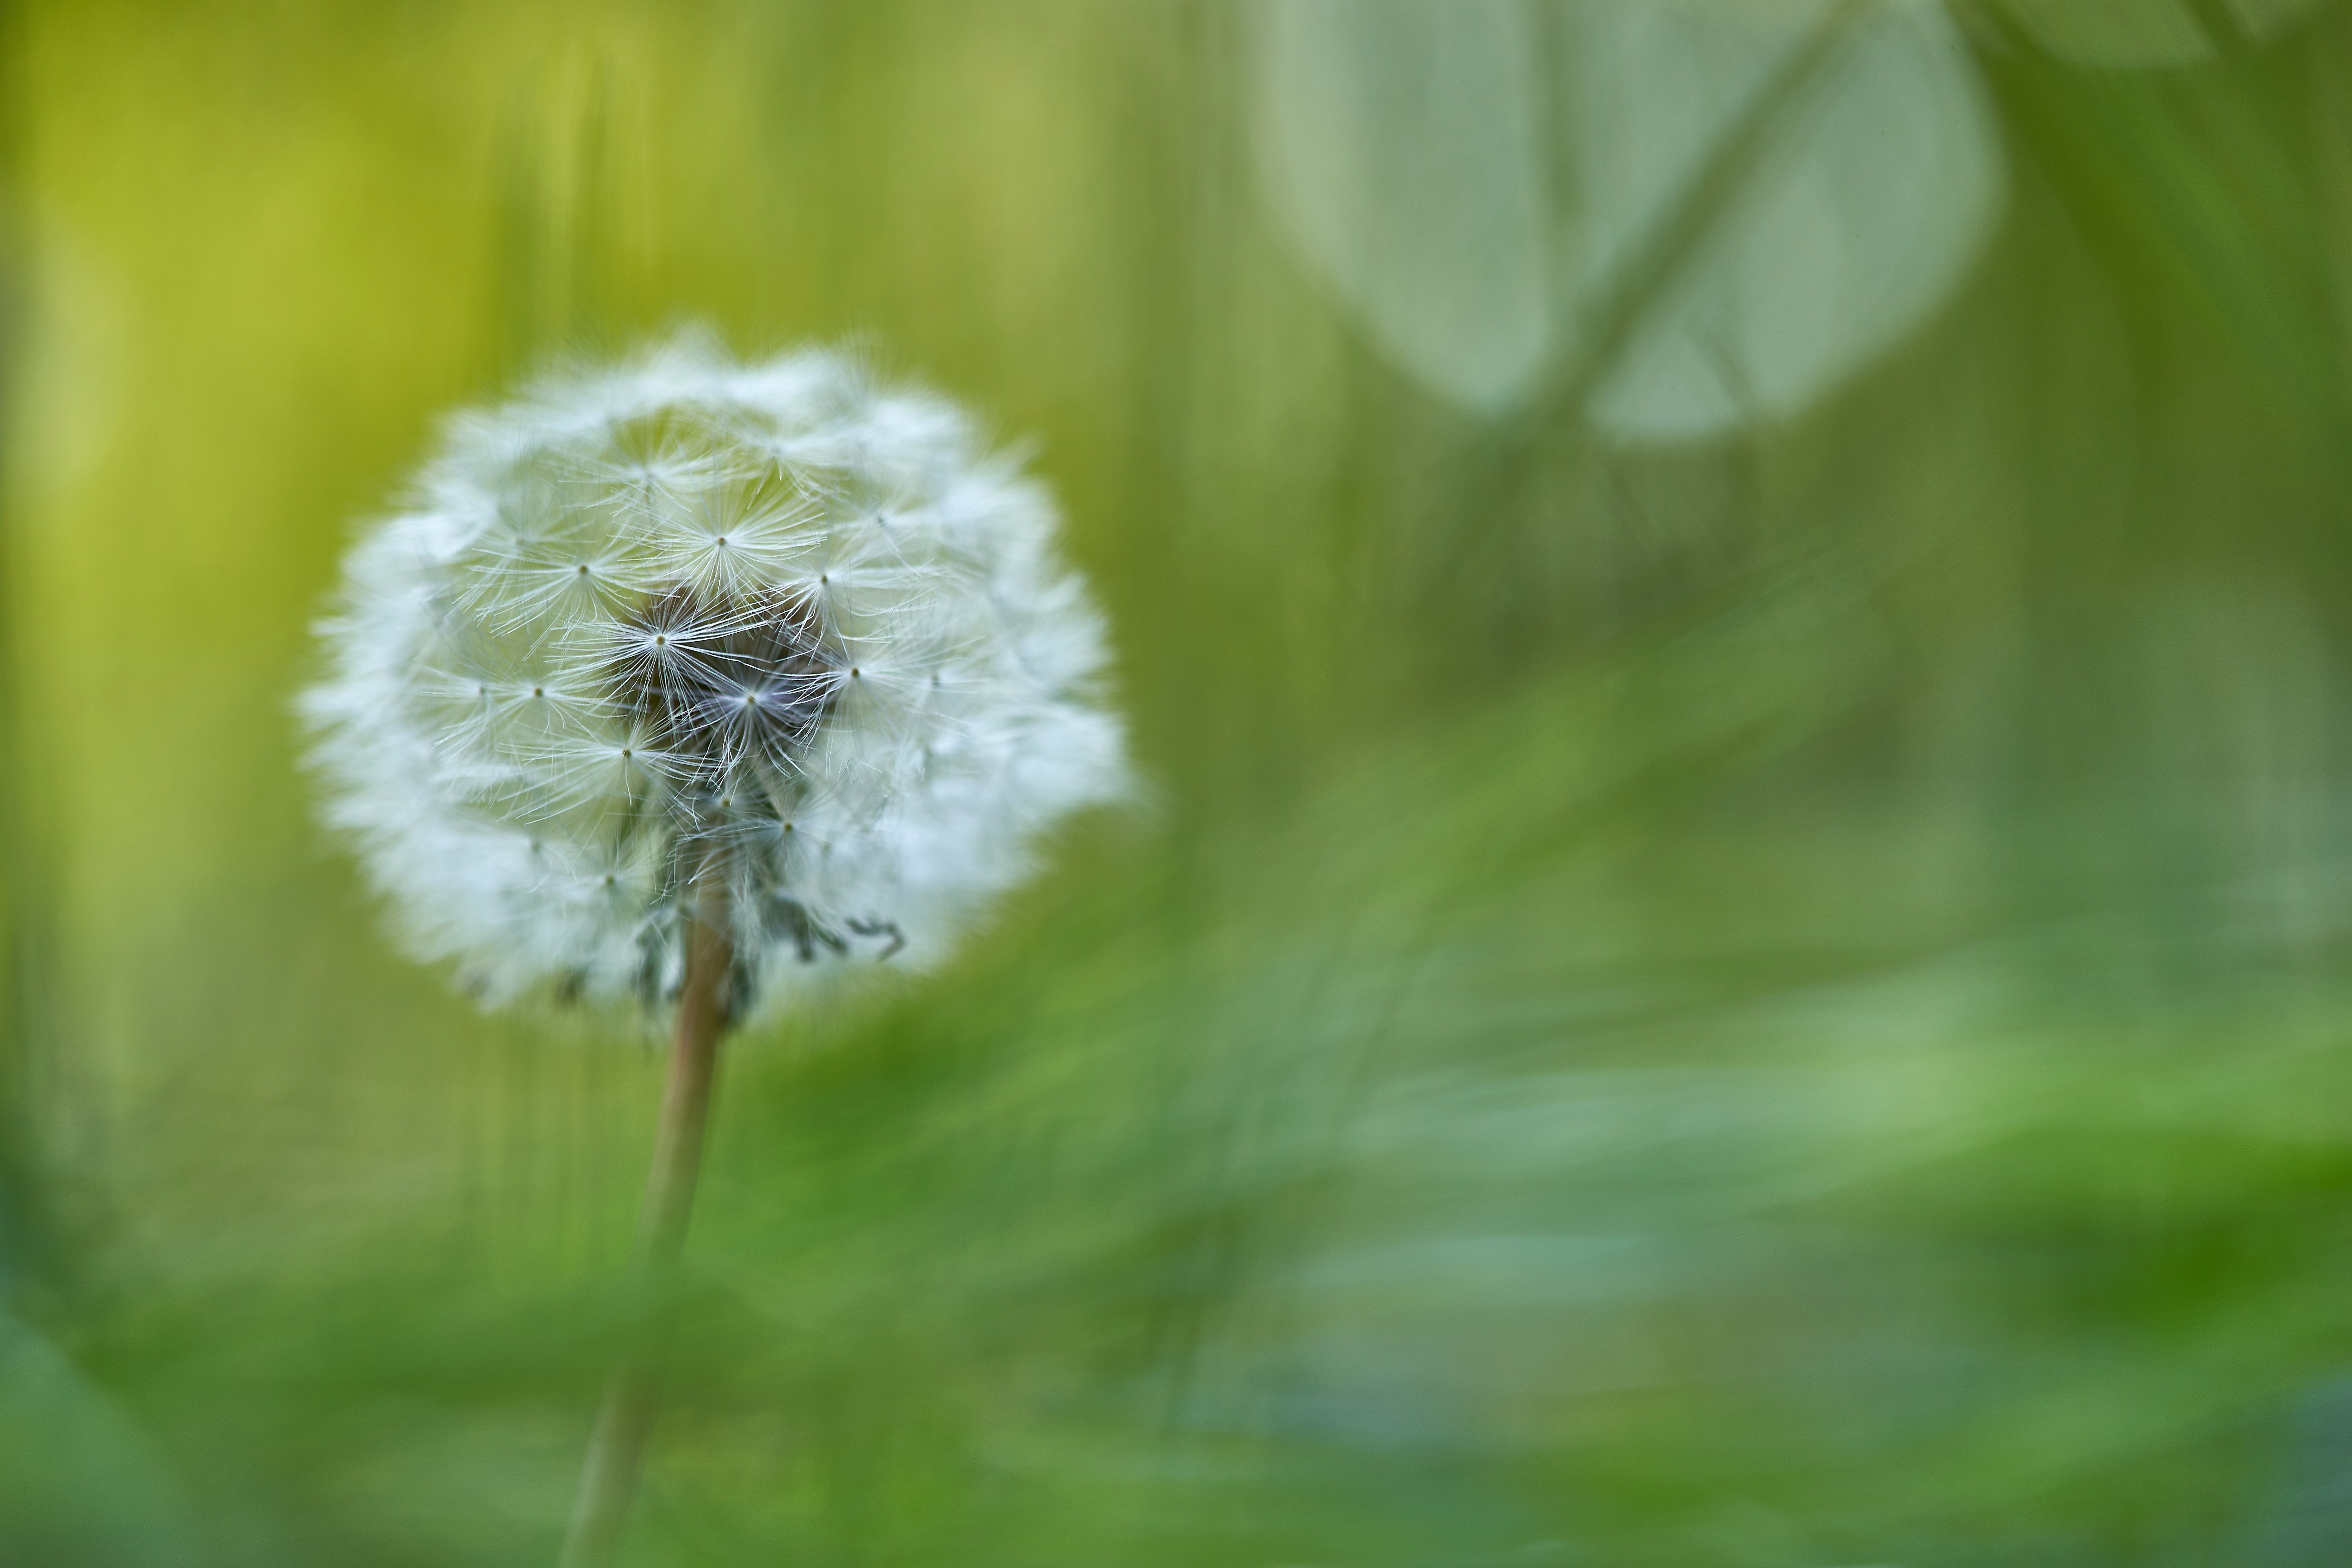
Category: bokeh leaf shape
[2130,34]
[1402,142]
[1486,209]
[1868,199]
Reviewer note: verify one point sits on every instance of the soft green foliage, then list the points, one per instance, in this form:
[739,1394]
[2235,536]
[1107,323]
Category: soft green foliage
[1778,1003]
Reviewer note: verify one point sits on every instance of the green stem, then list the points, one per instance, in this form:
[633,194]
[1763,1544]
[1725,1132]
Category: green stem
[633,1396]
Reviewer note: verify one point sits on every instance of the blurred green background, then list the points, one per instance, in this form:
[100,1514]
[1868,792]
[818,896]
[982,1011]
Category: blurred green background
[1735,610]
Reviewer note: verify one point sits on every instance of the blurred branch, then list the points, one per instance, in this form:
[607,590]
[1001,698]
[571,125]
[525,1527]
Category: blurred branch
[1644,279]
[1658,264]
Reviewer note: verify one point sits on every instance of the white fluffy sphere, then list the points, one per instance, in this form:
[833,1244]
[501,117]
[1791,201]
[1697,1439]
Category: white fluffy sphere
[685,619]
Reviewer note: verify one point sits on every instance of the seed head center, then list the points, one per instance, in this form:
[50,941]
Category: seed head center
[740,682]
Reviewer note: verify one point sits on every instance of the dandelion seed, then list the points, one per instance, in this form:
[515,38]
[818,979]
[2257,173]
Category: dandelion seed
[709,659]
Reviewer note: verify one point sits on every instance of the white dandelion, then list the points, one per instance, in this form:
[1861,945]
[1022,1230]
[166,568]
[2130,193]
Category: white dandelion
[694,682]
[686,627]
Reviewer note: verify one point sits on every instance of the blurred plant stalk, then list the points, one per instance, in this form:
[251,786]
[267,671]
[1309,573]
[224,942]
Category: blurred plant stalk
[633,1396]
[25,900]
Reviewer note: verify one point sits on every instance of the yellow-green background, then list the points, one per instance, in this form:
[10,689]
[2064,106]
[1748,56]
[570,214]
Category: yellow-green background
[1779,1002]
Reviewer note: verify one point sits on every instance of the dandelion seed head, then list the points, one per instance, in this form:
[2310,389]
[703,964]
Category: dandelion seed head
[686,618]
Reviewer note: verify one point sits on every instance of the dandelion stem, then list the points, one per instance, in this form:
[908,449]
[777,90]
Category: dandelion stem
[634,1395]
